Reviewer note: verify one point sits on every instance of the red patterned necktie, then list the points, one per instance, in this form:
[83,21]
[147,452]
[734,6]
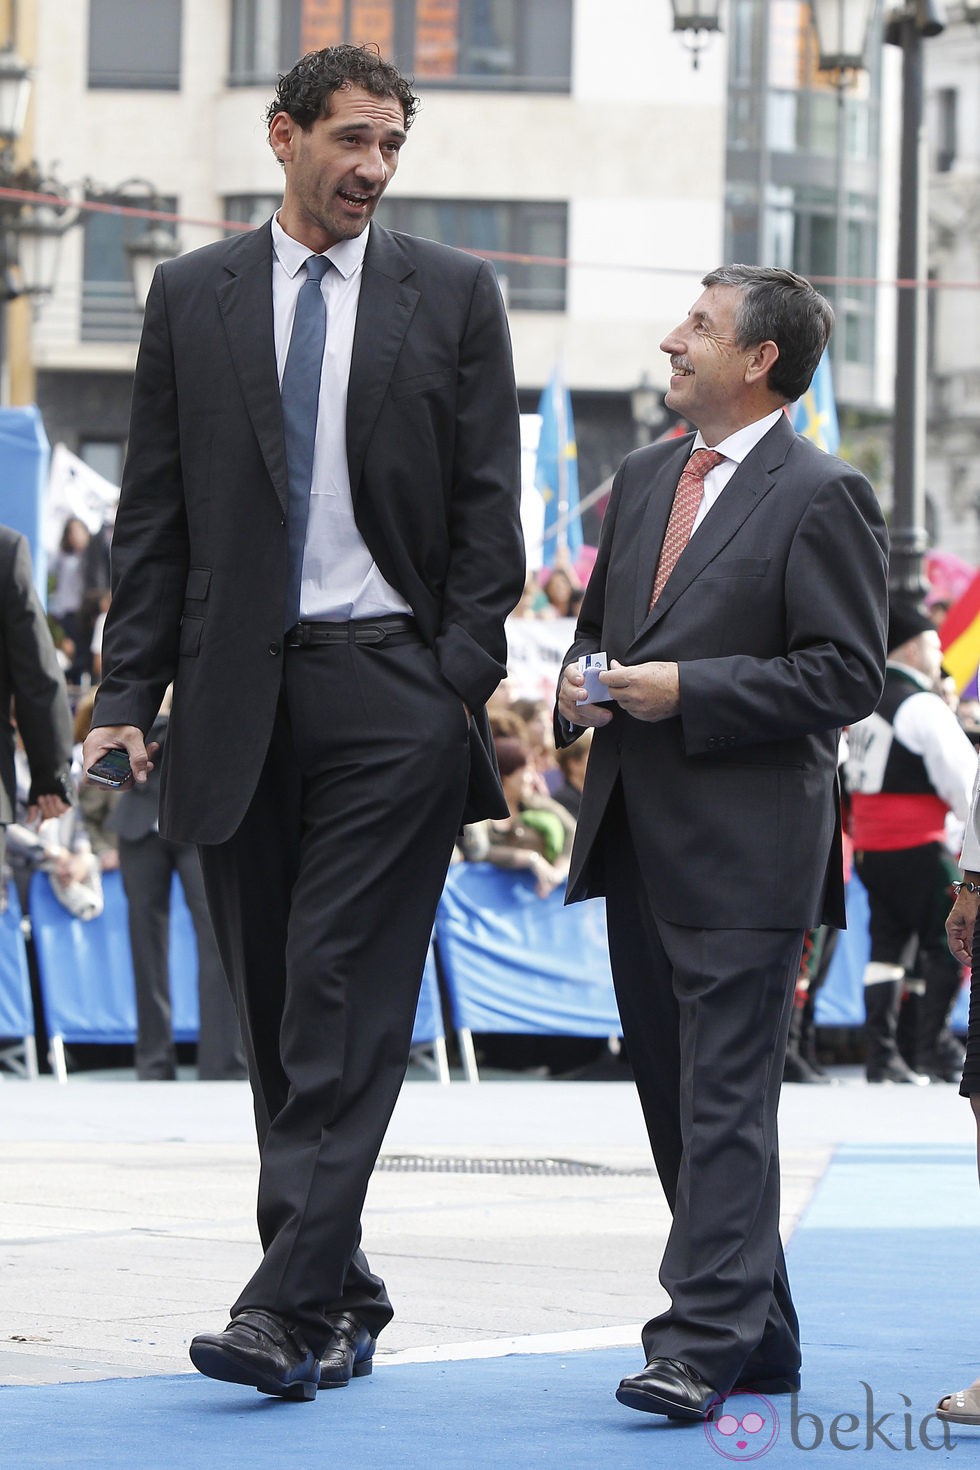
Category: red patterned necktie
[687,498]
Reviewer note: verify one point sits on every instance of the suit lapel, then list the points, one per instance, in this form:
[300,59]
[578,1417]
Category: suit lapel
[245,302]
[753,480]
[385,307]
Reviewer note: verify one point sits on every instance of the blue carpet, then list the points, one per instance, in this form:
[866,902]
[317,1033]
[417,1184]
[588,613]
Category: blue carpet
[883,1270]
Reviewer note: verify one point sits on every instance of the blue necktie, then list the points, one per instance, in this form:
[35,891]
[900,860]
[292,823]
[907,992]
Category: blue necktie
[300,392]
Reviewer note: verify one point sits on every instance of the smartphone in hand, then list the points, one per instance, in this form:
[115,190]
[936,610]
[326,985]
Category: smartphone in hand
[112,769]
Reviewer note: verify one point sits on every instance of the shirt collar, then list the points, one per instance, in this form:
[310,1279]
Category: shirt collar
[738,445]
[916,675]
[347,255]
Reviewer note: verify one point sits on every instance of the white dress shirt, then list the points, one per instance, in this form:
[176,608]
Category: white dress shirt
[735,448]
[970,856]
[340,577]
[925,724]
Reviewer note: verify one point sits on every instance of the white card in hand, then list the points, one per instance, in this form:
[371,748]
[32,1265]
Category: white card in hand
[591,665]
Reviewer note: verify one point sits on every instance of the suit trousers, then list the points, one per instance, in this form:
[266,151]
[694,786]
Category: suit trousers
[705,1016]
[323,903]
[147,865]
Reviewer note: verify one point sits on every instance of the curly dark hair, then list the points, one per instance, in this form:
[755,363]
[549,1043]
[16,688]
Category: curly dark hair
[782,307]
[305,91]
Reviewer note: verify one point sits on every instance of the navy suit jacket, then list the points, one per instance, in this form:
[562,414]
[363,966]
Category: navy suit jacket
[199,548]
[776,616]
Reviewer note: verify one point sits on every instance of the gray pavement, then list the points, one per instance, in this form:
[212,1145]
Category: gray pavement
[511,1209]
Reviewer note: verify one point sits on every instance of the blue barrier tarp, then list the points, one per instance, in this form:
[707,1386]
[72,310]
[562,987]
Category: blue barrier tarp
[428,1017]
[514,962]
[840,1000]
[86,970]
[24,459]
[16,1012]
[86,967]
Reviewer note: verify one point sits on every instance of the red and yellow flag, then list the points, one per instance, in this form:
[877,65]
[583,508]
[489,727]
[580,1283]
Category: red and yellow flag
[960,637]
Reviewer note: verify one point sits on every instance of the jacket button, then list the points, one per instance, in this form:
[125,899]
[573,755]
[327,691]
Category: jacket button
[274,649]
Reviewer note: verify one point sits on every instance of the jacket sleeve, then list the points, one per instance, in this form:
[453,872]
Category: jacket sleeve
[149,540]
[486,567]
[832,671]
[40,697]
[588,629]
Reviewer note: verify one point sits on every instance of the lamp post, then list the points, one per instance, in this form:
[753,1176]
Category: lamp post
[692,17]
[842,27]
[908,28]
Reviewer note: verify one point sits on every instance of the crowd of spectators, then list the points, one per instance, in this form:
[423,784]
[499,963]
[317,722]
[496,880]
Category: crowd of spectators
[542,785]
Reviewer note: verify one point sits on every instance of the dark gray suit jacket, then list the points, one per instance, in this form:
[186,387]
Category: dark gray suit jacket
[199,547]
[32,681]
[776,616]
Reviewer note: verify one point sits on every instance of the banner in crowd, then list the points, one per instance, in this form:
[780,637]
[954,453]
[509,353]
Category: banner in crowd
[557,471]
[75,489]
[535,647]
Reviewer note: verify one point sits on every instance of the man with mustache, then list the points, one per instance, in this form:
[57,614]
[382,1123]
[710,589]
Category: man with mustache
[739,595]
[318,541]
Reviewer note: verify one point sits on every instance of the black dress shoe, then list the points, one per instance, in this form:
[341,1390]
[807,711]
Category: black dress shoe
[349,1353]
[667,1386]
[259,1349]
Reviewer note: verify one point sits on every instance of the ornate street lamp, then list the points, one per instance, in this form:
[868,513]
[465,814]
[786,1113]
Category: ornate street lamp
[15,92]
[34,229]
[842,33]
[154,244]
[692,17]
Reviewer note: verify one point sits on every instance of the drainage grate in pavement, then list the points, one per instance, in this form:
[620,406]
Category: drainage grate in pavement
[553,1168]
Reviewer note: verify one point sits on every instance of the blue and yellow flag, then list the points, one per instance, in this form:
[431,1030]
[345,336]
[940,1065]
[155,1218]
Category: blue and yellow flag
[815,414]
[556,472]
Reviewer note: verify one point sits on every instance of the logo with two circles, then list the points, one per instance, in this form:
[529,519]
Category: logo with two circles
[745,1426]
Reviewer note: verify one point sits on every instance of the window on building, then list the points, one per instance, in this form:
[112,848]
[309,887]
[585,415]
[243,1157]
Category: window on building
[946,129]
[507,44]
[251,209]
[110,310]
[104,456]
[134,45]
[511,229]
[491,228]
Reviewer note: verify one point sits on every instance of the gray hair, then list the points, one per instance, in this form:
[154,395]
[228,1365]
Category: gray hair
[779,306]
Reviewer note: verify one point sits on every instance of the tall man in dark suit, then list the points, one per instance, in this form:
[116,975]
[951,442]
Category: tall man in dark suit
[710,818]
[331,613]
[32,688]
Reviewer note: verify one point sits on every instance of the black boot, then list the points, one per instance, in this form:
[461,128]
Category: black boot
[938,1053]
[882,999]
[796,1067]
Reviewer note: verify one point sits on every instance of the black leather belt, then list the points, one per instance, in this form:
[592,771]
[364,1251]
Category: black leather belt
[389,629]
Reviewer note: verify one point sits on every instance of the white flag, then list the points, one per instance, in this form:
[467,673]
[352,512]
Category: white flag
[75,489]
